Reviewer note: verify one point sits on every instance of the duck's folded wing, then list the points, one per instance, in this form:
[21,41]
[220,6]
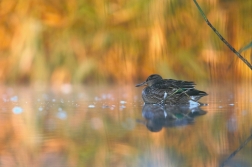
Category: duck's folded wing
[162,94]
[171,83]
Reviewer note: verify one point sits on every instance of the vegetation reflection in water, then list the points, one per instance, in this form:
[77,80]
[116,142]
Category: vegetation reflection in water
[98,127]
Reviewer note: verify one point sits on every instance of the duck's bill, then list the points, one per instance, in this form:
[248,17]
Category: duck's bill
[141,84]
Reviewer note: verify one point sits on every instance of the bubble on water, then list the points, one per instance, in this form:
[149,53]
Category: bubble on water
[14,98]
[231,104]
[105,106]
[220,106]
[123,102]
[40,108]
[91,106]
[17,110]
[122,107]
[62,114]
[53,100]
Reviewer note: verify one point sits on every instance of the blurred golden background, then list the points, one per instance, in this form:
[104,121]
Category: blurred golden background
[121,41]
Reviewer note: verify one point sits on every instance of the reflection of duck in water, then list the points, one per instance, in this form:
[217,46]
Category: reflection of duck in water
[169,91]
[158,116]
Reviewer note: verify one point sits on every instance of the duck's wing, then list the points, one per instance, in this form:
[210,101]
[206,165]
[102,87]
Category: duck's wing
[174,84]
[165,96]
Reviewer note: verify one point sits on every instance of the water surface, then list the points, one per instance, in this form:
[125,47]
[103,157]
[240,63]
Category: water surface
[110,126]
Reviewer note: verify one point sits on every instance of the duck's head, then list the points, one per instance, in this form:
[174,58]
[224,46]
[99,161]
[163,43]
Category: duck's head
[150,80]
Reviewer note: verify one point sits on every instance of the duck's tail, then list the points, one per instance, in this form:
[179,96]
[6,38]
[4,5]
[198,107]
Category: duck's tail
[196,94]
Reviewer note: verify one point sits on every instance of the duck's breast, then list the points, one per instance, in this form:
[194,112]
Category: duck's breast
[150,96]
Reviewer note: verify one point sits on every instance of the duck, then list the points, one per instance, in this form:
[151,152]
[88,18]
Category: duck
[170,91]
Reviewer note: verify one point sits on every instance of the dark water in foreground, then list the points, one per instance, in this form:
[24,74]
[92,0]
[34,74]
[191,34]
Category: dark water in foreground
[109,126]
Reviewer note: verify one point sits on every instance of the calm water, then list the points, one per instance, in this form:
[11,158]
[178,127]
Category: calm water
[110,126]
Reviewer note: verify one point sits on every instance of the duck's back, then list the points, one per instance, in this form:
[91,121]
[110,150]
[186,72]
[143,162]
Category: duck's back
[171,83]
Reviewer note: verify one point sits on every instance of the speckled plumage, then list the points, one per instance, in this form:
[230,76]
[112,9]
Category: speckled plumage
[169,91]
